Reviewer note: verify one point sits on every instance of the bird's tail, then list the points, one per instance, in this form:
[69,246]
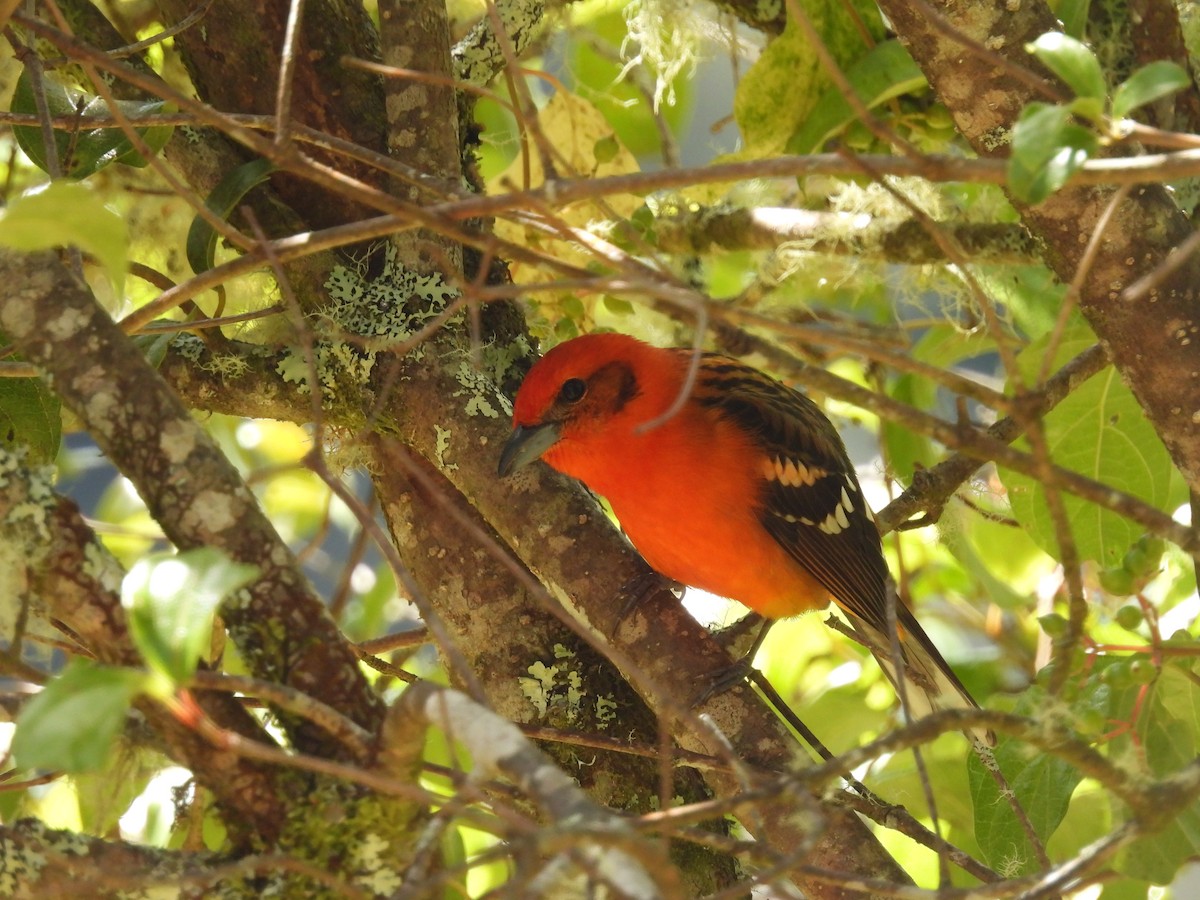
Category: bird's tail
[929,682]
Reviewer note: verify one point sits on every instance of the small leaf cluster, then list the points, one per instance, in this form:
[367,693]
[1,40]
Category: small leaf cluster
[1052,141]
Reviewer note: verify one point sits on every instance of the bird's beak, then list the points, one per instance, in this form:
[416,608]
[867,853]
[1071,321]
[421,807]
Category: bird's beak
[528,442]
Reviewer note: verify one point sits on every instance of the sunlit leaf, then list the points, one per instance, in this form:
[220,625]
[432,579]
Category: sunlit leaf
[30,415]
[85,151]
[887,71]
[70,725]
[908,450]
[1073,62]
[782,88]
[1168,728]
[1088,108]
[1149,83]
[172,601]
[67,213]
[1047,149]
[1073,14]
[1030,295]
[574,127]
[1042,784]
[1102,432]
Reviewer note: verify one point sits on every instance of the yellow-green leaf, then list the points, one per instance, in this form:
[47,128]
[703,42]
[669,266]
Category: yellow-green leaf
[70,725]
[29,416]
[1102,432]
[67,213]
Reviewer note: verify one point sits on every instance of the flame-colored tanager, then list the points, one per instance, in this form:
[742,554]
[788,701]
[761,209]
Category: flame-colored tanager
[744,489]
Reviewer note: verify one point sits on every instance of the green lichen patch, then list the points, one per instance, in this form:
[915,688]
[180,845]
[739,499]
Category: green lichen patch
[556,691]
[442,447]
[367,316]
[481,380]
[366,839]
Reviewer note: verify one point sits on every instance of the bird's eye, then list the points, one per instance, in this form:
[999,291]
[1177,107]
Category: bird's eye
[572,390]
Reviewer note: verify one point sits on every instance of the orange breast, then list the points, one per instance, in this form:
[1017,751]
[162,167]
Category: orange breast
[689,501]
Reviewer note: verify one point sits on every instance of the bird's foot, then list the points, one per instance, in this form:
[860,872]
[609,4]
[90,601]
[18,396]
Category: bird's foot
[637,589]
[731,638]
[724,679]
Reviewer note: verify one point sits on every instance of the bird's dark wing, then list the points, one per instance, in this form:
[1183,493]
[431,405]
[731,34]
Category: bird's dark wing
[811,500]
[813,506]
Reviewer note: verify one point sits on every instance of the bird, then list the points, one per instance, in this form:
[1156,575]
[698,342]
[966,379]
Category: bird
[727,480]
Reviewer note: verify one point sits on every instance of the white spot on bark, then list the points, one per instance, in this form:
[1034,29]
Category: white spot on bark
[67,324]
[17,316]
[211,511]
[177,441]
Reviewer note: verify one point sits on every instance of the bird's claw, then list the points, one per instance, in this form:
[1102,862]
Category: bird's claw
[724,679]
[730,676]
[635,591]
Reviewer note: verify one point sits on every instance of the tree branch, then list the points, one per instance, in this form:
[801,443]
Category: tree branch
[190,488]
[903,241]
[68,571]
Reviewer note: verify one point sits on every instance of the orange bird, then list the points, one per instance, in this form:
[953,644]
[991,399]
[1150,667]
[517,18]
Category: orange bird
[730,482]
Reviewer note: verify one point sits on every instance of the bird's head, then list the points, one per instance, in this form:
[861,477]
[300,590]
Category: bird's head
[586,391]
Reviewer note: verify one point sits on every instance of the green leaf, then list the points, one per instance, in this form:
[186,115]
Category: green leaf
[1047,149]
[618,306]
[70,725]
[1030,296]
[1169,731]
[1073,14]
[154,346]
[886,72]
[68,213]
[172,600]
[778,92]
[29,415]
[944,344]
[1099,431]
[1001,577]
[84,152]
[606,149]
[907,450]
[1125,889]
[1042,783]
[202,237]
[1088,108]
[1073,62]
[1149,83]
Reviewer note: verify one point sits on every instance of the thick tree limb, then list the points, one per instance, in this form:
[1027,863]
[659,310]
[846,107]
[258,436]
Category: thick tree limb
[507,636]
[234,63]
[902,241]
[38,862]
